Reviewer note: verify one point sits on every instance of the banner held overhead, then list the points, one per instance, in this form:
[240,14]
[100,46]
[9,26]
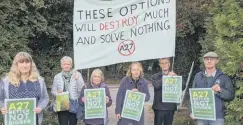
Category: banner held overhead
[113,31]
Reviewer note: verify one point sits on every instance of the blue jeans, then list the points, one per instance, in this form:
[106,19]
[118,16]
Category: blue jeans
[210,122]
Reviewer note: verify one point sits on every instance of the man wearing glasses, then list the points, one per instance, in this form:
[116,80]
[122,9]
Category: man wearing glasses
[219,82]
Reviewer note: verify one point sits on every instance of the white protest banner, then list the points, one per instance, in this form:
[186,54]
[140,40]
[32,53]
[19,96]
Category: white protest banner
[113,31]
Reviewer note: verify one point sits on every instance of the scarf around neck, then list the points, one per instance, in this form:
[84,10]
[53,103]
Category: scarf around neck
[67,78]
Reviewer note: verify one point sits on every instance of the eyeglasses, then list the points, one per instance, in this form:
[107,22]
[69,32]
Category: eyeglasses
[210,58]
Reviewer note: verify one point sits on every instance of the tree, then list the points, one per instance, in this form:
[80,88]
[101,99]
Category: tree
[190,28]
[19,21]
[224,31]
[55,41]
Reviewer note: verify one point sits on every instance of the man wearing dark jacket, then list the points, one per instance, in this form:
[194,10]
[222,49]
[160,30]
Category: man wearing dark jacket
[219,82]
[163,112]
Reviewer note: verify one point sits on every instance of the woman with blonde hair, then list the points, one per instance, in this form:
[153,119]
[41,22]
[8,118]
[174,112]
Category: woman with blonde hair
[133,81]
[24,81]
[97,81]
[71,81]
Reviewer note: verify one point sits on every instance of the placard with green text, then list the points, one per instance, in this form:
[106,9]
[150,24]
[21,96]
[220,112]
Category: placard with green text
[133,105]
[95,103]
[202,103]
[172,89]
[20,111]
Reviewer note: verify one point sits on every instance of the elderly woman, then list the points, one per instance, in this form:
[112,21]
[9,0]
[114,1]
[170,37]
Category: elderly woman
[24,81]
[71,81]
[133,81]
[97,81]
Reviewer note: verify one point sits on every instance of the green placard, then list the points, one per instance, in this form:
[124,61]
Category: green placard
[172,89]
[202,103]
[62,101]
[20,111]
[95,103]
[133,105]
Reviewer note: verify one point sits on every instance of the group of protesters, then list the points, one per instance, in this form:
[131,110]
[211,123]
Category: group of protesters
[24,81]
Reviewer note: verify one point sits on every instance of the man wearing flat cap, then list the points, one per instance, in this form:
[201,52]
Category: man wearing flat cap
[219,82]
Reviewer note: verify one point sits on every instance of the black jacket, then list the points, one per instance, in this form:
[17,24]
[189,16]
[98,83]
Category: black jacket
[158,104]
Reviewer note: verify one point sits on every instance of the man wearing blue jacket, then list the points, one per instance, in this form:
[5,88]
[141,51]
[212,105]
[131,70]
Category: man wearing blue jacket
[219,82]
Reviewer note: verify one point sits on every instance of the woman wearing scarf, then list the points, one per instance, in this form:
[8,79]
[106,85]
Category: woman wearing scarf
[97,81]
[24,81]
[133,81]
[71,81]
